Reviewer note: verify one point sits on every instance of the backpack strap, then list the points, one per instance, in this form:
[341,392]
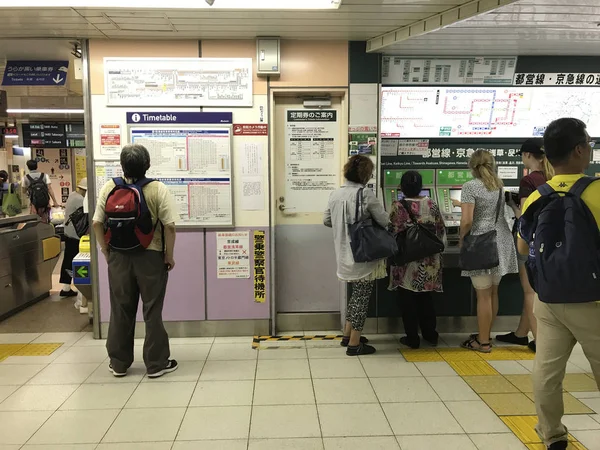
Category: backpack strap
[143,182]
[581,185]
[119,181]
[545,189]
[406,206]
[30,178]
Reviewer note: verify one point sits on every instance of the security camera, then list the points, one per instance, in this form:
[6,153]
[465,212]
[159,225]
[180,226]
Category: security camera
[210,2]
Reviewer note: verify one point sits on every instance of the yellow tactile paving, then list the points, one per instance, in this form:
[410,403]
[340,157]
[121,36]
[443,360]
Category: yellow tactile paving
[579,382]
[7,350]
[510,404]
[493,384]
[472,368]
[37,349]
[523,427]
[498,354]
[523,383]
[522,353]
[459,354]
[421,355]
[572,405]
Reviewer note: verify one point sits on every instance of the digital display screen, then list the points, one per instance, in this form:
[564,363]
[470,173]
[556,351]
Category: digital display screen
[455,194]
[423,193]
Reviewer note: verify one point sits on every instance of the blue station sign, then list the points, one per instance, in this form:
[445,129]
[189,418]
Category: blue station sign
[164,118]
[35,73]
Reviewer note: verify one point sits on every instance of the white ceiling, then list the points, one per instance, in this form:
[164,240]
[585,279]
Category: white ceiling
[354,20]
[527,27]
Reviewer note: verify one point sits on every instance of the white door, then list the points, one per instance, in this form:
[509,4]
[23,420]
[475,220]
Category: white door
[309,148]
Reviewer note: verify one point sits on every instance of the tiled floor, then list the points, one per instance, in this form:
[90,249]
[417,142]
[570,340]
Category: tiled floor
[303,395]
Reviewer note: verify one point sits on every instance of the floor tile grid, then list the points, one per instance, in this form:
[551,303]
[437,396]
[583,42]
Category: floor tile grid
[455,356]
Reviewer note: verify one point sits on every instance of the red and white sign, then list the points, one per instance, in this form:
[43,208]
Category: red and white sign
[110,141]
[251,129]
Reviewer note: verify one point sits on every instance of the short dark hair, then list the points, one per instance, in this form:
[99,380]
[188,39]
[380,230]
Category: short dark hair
[32,164]
[359,169]
[4,175]
[561,137]
[411,183]
[135,161]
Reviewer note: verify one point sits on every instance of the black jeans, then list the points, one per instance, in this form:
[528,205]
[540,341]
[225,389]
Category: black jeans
[418,311]
[71,250]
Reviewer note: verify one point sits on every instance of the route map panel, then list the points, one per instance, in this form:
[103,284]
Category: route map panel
[178,81]
[499,112]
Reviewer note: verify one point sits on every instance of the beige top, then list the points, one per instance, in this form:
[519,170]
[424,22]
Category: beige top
[160,203]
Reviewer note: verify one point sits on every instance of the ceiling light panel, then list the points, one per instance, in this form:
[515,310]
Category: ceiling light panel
[179,4]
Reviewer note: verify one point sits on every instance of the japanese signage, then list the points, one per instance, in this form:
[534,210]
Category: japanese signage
[312,116]
[233,254]
[110,141]
[413,146]
[56,163]
[80,165]
[35,73]
[10,131]
[251,129]
[260,272]
[362,140]
[447,154]
[53,135]
[557,79]
[458,71]
[311,159]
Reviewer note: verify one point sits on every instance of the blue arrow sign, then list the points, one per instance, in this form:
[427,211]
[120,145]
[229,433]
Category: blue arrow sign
[35,73]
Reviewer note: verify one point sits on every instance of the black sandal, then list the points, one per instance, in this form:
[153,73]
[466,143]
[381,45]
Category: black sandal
[485,347]
[476,336]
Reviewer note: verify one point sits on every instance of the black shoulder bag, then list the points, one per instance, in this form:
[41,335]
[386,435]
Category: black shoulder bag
[369,241]
[480,252]
[416,241]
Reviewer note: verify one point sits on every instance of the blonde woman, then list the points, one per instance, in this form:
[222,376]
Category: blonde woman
[540,171]
[480,215]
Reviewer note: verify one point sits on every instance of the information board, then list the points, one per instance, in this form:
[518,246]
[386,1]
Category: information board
[312,148]
[501,112]
[53,135]
[461,71]
[178,81]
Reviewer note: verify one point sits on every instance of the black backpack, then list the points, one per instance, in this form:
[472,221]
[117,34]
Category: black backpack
[564,245]
[38,191]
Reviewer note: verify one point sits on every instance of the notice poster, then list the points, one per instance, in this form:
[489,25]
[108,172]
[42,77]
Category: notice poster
[362,140]
[80,165]
[233,254]
[252,192]
[260,270]
[312,148]
[110,141]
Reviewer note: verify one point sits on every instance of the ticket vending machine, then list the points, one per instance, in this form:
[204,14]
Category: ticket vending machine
[449,187]
[392,190]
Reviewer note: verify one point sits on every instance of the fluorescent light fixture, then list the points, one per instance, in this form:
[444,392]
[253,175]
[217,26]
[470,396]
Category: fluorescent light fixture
[44,111]
[177,4]
[11,136]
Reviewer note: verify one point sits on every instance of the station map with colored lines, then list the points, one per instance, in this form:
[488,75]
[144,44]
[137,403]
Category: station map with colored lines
[499,112]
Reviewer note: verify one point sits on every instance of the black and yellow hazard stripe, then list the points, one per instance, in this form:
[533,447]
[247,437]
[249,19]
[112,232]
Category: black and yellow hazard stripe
[318,337]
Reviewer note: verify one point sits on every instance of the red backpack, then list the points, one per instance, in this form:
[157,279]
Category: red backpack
[128,221]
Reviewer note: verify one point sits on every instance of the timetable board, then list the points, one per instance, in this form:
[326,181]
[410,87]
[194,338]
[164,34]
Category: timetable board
[488,112]
[178,81]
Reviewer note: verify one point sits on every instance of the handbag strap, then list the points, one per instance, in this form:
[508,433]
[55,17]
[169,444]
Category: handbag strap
[499,204]
[359,200]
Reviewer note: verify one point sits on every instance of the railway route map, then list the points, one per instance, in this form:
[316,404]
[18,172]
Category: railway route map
[494,112]
[178,81]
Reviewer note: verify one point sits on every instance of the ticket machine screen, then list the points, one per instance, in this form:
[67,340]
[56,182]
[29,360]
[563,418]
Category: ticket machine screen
[455,194]
[423,193]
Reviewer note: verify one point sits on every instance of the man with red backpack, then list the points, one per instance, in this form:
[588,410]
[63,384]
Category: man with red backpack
[559,232]
[134,224]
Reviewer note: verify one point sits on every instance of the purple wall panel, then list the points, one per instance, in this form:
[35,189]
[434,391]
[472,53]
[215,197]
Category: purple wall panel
[229,298]
[185,292]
